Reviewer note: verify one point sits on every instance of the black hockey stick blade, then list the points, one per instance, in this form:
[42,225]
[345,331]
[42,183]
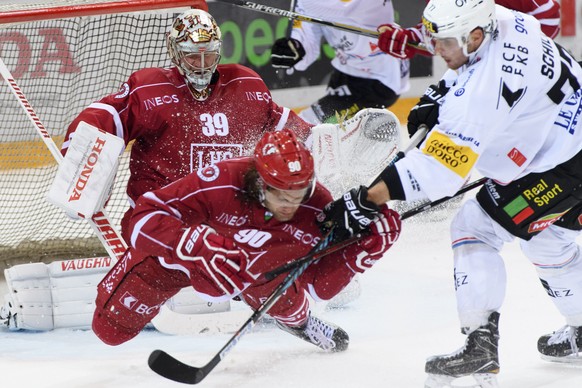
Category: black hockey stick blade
[173,369]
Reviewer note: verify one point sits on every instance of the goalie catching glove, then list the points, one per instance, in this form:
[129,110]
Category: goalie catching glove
[286,52]
[217,266]
[349,215]
[384,232]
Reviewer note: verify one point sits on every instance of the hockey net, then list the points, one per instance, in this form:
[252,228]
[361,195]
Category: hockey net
[77,52]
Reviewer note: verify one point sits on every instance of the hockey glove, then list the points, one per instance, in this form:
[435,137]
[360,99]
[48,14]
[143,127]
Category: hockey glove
[384,232]
[286,52]
[220,264]
[348,215]
[397,41]
[426,111]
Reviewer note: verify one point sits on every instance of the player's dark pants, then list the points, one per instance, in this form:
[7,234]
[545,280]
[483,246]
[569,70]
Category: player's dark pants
[346,95]
[528,205]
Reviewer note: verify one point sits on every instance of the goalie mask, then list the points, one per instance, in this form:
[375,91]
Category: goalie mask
[194,47]
[453,20]
[285,164]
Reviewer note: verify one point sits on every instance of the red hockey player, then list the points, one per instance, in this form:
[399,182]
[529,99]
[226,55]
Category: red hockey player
[188,116]
[400,42]
[220,228]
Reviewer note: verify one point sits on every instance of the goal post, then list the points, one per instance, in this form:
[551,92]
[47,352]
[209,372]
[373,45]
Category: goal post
[64,55]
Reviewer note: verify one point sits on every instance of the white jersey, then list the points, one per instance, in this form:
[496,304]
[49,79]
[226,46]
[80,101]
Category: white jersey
[355,54]
[513,110]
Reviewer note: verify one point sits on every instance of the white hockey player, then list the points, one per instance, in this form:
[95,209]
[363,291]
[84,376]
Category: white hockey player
[363,75]
[512,113]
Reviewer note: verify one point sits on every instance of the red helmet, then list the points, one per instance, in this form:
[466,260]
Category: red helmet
[283,162]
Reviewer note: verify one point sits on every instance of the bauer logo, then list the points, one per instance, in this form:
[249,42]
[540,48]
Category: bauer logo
[456,158]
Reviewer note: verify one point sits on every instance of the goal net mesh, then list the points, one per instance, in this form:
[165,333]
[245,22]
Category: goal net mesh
[62,66]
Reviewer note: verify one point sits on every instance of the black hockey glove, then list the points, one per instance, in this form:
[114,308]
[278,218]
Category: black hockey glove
[286,52]
[426,111]
[348,215]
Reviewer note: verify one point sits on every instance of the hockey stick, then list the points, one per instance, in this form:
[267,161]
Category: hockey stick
[419,209]
[430,205]
[303,18]
[171,368]
[107,234]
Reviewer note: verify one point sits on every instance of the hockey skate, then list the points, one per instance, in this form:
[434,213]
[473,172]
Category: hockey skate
[322,334]
[563,345]
[478,358]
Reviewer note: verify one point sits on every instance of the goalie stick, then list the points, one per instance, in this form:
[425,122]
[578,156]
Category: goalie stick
[107,234]
[304,18]
[171,368]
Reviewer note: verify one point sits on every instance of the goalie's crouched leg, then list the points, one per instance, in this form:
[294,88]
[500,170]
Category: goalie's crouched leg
[131,295]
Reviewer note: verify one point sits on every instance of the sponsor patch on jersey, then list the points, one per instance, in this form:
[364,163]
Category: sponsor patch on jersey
[517,157]
[203,155]
[544,222]
[458,159]
[209,174]
[123,91]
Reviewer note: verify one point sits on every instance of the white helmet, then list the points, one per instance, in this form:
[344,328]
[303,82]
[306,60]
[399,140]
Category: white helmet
[195,34]
[457,18]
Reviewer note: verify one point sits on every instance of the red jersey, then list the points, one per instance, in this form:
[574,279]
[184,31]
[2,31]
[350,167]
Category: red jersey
[175,134]
[213,196]
[546,11]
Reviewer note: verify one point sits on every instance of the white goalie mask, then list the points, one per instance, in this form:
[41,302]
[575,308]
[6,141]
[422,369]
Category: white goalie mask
[445,19]
[194,43]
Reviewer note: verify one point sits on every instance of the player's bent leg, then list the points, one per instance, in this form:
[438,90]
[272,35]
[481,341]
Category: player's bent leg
[479,271]
[293,315]
[558,262]
[131,295]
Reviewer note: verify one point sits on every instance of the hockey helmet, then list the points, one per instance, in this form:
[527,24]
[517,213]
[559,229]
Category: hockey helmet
[284,163]
[194,43]
[444,19]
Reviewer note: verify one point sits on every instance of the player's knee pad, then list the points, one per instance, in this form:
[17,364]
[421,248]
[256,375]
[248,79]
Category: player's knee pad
[554,249]
[562,283]
[472,224]
[131,295]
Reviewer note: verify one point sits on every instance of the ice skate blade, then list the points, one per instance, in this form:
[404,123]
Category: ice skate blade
[480,380]
[572,360]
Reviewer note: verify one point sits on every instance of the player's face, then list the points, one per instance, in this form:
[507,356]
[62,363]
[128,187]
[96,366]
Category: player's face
[198,62]
[284,203]
[450,51]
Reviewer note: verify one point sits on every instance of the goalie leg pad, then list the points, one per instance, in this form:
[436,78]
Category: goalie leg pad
[58,295]
[131,295]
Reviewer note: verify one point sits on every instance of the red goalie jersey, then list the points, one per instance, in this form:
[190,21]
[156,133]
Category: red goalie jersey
[175,134]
